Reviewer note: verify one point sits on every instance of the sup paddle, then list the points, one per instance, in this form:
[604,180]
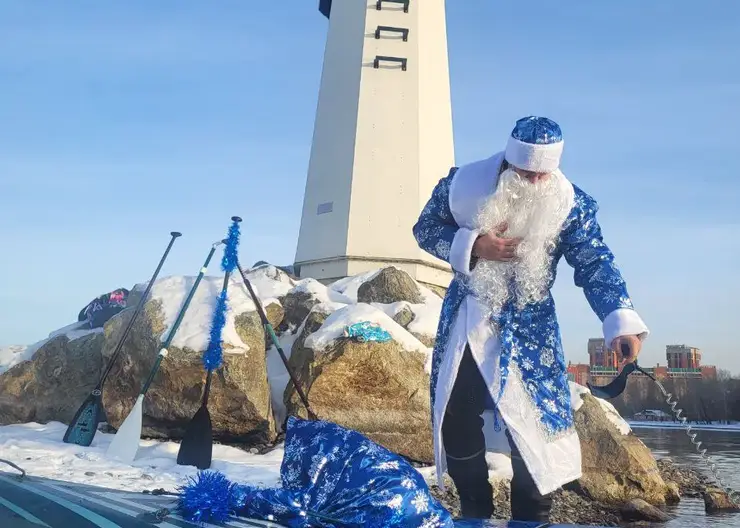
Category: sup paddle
[84,425]
[271,332]
[125,443]
[196,448]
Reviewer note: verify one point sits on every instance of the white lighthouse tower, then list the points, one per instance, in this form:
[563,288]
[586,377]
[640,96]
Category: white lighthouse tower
[382,139]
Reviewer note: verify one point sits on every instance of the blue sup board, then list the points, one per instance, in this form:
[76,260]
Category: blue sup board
[34,502]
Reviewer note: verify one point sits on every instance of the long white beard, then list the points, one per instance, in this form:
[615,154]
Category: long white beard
[535,212]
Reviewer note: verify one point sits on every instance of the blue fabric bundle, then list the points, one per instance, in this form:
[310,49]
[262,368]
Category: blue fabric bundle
[367,331]
[331,477]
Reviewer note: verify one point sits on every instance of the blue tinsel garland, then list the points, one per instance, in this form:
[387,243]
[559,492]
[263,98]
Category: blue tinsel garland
[229,260]
[213,356]
[208,497]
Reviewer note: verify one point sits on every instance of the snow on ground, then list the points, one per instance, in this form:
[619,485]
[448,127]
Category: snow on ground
[39,450]
[278,375]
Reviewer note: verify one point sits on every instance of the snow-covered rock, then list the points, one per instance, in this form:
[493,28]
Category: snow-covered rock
[380,389]
[239,401]
[58,375]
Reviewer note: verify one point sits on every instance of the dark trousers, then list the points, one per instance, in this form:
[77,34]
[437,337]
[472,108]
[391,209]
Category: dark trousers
[462,434]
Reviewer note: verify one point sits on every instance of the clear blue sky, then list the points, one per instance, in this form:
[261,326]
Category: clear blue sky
[120,122]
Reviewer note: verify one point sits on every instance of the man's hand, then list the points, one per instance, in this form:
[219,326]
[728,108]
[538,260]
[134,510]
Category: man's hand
[491,246]
[633,344]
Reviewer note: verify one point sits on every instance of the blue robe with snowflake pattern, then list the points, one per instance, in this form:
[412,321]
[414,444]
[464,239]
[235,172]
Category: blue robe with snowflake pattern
[523,363]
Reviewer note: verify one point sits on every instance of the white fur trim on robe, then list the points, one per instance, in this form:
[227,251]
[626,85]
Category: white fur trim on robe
[461,250]
[623,322]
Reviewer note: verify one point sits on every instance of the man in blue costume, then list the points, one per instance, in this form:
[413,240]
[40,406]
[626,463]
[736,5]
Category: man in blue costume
[503,223]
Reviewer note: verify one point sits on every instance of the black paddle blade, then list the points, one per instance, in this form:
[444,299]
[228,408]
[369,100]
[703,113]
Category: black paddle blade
[196,448]
[617,385]
[84,425]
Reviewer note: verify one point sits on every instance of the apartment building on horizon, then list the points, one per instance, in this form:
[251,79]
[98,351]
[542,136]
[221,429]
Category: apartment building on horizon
[683,362]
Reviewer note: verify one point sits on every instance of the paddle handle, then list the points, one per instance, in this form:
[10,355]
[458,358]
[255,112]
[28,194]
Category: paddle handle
[273,337]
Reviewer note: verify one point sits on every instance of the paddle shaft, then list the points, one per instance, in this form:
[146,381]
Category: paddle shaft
[142,301]
[273,337]
[163,351]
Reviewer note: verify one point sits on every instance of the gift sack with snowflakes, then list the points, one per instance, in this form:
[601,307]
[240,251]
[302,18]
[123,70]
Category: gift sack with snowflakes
[331,477]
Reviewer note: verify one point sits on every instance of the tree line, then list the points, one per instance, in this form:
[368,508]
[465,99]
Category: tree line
[702,400]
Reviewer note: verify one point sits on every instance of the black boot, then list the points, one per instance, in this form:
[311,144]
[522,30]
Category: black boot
[471,480]
[527,504]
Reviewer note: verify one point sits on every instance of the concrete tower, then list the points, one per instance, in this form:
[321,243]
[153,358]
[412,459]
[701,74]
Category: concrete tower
[382,139]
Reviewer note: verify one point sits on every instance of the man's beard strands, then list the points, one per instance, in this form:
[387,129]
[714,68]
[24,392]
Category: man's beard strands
[534,212]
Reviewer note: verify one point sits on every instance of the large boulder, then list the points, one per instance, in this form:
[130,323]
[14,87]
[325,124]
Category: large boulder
[299,301]
[617,466]
[388,286]
[54,382]
[378,389]
[239,401]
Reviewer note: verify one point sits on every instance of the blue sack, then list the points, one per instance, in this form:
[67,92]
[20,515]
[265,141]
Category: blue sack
[331,477]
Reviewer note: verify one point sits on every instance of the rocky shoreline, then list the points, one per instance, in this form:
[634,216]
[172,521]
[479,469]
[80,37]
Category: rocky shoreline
[572,506]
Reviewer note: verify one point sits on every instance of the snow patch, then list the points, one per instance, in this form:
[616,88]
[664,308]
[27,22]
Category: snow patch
[333,328]
[349,286]
[614,417]
[13,355]
[576,401]
[193,332]
[278,376]
[321,292]
[269,282]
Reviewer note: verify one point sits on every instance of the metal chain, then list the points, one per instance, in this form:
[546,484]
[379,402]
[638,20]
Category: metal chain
[697,444]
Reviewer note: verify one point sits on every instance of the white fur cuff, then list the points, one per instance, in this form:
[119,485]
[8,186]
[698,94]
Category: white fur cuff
[461,249]
[623,322]
[536,158]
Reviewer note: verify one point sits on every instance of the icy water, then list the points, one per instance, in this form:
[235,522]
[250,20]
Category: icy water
[723,448]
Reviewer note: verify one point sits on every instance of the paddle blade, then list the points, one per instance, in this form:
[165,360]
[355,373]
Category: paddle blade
[84,425]
[617,385]
[196,448]
[126,442]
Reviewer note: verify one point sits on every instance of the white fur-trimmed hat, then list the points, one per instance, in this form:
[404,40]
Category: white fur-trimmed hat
[535,144]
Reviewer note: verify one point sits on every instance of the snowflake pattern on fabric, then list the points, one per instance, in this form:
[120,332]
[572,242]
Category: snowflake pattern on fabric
[530,338]
[344,479]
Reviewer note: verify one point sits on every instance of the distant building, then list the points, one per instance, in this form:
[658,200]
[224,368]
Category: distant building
[684,362]
[682,357]
[599,354]
[578,373]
